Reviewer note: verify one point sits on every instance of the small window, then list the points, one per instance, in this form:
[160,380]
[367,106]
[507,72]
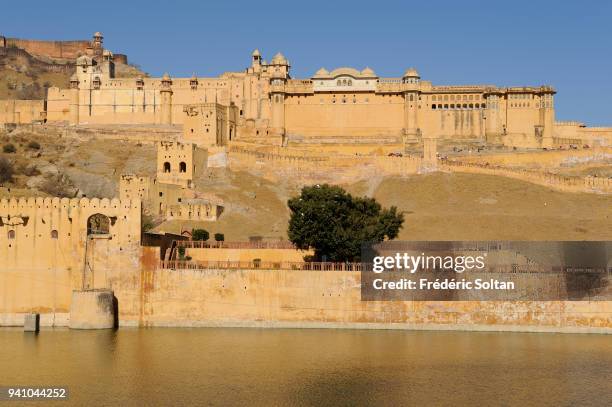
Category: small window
[166,166]
[11,234]
[182,167]
[54,234]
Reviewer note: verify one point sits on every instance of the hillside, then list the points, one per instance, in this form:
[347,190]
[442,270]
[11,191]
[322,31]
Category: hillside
[23,76]
[436,206]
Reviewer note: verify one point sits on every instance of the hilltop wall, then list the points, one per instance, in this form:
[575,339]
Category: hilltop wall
[51,49]
[21,111]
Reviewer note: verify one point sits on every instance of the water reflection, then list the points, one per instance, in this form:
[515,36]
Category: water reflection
[310,367]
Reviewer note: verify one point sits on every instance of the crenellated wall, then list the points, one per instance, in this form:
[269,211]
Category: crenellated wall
[51,49]
[46,251]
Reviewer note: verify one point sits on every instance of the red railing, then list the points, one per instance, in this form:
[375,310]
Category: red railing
[265,265]
[199,244]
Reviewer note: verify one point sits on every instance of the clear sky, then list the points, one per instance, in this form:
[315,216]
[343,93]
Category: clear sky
[566,44]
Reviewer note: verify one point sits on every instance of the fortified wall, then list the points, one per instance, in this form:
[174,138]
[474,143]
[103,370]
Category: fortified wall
[22,111]
[51,49]
[51,246]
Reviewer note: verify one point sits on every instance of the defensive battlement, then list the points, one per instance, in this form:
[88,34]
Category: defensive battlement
[65,203]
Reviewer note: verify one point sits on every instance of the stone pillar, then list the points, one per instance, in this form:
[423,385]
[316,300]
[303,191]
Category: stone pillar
[278,112]
[411,125]
[74,100]
[166,99]
[547,117]
[430,152]
[492,131]
[93,309]
[31,322]
[246,109]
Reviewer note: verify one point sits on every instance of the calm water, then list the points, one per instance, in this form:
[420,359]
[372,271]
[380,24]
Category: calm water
[311,367]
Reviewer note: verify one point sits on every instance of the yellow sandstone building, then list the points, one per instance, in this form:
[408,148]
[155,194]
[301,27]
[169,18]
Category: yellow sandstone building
[264,102]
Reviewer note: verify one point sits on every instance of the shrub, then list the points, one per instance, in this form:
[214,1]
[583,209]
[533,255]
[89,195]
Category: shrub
[200,234]
[57,186]
[33,145]
[181,252]
[6,170]
[219,237]
[9,148]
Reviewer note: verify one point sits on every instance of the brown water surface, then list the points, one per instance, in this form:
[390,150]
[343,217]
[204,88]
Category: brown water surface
[310,367]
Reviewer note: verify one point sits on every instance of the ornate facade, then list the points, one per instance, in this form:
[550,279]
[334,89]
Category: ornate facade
[264,101]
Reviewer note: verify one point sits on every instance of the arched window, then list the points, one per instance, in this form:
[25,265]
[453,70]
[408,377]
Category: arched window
[98,224]
[182,167]
[339,83]
[11,234]
[350,82]
[166,166]
[54,234]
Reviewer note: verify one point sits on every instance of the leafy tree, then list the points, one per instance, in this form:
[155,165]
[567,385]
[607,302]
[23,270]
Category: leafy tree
[200,234]
[334,223]
[219,237]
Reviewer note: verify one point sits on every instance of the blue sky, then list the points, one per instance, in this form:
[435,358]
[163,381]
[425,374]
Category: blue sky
[566,44]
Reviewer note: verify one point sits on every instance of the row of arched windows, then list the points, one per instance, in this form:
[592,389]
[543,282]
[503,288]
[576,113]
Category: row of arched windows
[454,97]
[459,106]
[182,167]
[344,82]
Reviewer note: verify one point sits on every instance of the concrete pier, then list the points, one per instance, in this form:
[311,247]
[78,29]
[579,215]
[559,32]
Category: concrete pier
[92,309]
[31,322]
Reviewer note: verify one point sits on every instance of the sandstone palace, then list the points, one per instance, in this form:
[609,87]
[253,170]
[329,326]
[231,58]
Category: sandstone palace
[264,102]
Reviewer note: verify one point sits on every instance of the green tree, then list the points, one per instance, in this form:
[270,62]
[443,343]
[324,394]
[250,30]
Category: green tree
[334,223]
[219,237]
[200,234]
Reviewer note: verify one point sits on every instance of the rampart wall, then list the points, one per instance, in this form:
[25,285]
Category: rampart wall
[154,293]
[46,250]
[541,159]
[51,49]
[298,165]
[331,298]
[554,181]
[21,111]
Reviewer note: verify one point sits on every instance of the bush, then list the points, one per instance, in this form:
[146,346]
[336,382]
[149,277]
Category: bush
[6,170]
[33,145]
[200,234]
[181,252]
[9,148]
[219,237]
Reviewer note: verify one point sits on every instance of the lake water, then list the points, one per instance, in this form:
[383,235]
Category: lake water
[270,367]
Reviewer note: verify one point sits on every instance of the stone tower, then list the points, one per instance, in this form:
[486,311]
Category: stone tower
[410,86]
[166,99]
[74,99]
[547,115]
[278,80]
[492,128]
